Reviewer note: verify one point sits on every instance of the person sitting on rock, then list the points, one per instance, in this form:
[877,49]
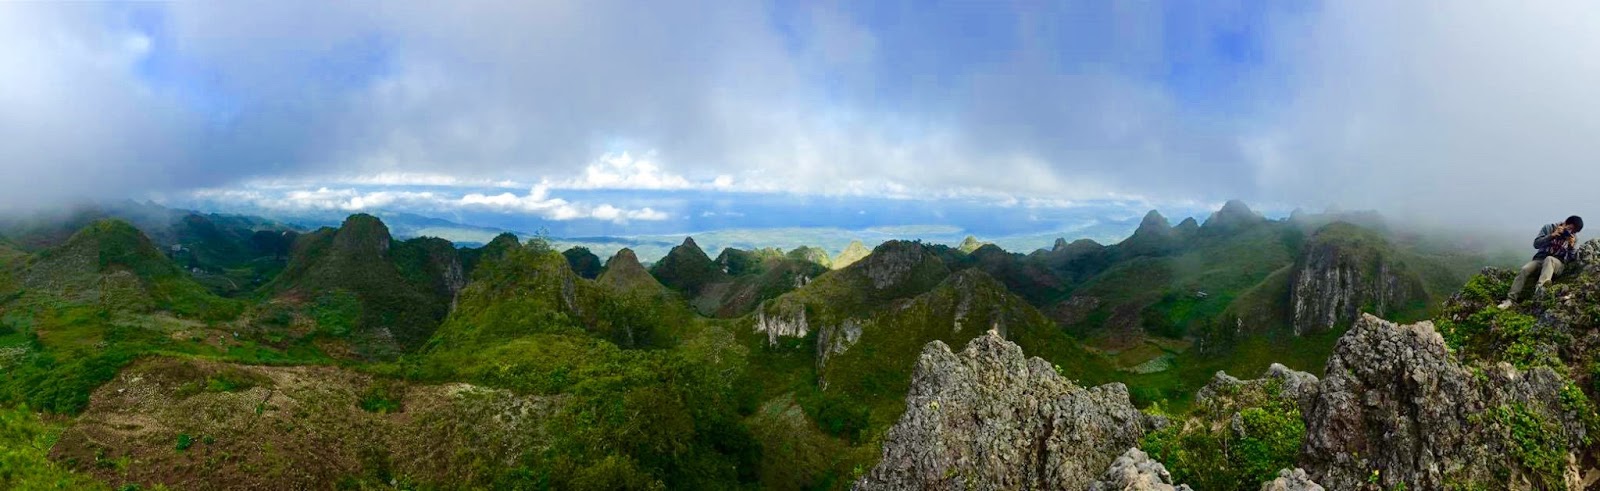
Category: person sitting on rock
[1558,246]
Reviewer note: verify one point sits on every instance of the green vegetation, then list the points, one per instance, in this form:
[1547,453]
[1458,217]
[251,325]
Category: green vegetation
[583,262]
[25,442]
[1208,452]
[1534,442]
[399,286]
[644,393]
[383,396]
[1503,335]
[687,268]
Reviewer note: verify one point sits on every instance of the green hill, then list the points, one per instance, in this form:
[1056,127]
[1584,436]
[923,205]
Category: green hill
[851,253]
[583,262]
[687,268]
[738,262]
[647,392]
[810,254]
[400,290]
[623,273]
[71,316]
[969,244]
[110,263]
[749,284]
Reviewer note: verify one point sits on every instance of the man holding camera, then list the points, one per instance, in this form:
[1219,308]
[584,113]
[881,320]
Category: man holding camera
[1558,246]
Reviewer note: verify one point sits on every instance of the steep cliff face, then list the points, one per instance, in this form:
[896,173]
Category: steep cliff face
[1396,408]
[782,318]
[901,266]
[990,418]
[1345,270]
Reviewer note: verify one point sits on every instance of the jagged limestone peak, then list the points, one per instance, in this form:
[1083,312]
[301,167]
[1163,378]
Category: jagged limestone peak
[992,418]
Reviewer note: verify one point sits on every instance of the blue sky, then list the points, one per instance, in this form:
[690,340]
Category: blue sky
[618,118]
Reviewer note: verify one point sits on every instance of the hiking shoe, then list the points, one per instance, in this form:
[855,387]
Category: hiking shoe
[1505,305]
[1539,292]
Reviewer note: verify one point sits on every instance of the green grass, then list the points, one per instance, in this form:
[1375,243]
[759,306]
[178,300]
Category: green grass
[1175,388]
[25,442]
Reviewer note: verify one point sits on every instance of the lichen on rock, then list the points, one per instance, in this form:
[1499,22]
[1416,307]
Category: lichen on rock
[991,418]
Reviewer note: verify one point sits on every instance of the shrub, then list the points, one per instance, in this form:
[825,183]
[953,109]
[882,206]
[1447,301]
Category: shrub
[1267,440]
[383,397]
[1536,444]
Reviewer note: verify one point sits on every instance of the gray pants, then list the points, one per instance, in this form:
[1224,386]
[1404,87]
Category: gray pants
[1547,268]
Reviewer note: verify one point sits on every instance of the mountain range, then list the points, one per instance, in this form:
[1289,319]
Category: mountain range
[217,345]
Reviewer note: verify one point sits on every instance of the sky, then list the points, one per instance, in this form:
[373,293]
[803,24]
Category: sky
[614,118]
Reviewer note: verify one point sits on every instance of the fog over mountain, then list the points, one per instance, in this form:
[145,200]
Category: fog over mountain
[1409,108]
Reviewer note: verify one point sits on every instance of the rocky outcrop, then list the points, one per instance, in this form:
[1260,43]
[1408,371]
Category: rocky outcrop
[1226,394]
[991,418]
[835,340]
[898,264]
[782,318]
[1344,270]
[1134,471]
[1396,408]
[1291,480]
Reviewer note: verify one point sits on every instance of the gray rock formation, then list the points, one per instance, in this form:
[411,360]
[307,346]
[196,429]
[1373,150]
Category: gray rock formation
[1134,471]
[894,262]
[1291,480]
[991,418]
[1343,271]
[1222,394]
[835,340]
[1396,407]
[782,317]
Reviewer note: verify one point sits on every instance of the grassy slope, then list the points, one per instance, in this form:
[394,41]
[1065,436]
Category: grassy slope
[396,284]
[662,412]
[72,316]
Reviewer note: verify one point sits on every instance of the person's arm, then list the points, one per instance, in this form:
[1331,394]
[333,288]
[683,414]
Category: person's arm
[1543,239]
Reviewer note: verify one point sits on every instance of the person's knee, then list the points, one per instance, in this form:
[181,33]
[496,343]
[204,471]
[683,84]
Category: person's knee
[1531,267]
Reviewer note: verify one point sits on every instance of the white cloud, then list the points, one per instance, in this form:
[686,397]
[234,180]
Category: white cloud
[536,202]
[623,171]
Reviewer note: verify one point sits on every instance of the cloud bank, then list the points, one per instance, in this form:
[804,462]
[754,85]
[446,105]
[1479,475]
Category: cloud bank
[1481,111]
